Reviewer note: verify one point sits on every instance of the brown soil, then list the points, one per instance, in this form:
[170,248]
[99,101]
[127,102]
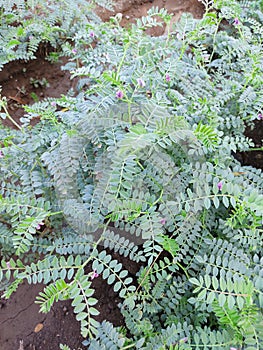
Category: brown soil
[22,323]
[22,327]
[132,9]
[254,158]
[24,83]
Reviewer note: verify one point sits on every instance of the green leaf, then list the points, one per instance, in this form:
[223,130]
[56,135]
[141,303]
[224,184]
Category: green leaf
[194,281]
[202,295]
[93,311]
[78,299]
[81,316]
[89,292]
[210,297]
[240,302]
[123,274]
[106,274]
[140,343]
[207,203]
[111,279]
[92,301]
[79,307]
[226,201]
[117,286]
[216,202]
[70,273]
[215,283]
[187,207]
[13,42]
[222,284]
[207,280]
[169,244]
[231,302]
[233,201]
[222,299]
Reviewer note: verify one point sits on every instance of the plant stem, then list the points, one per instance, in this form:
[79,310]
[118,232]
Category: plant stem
[3,105]
[255,149]
[129,346]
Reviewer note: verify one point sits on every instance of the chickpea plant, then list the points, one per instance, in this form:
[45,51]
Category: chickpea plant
[140,163]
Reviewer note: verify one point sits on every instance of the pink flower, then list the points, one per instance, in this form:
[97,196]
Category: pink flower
[53,104]
[220,185]
[94,275]
[92,34]
[167,77]
[74,51]
[8,265]
[38,227]
[141,82]
[163,221]
[260,116]
[119,94]
[236,21]
[1,154]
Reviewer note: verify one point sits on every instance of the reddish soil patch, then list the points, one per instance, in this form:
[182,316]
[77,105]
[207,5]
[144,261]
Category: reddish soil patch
[131,10]
[24,83]
[21,322]
[254,157]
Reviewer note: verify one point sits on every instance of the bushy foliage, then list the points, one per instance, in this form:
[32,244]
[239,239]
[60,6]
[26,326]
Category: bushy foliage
[27,24]
[141,163]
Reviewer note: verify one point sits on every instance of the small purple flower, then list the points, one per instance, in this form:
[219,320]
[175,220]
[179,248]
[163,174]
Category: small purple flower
[141,82]
[163,221]
[1,154]
[220,185]
[92,34]
[167,78]
[53,104]
[38,227]
[94,275]
[119,94]
[30,37]
[260,116]
[8,265]
[232,348]
[236,21]
[74,51]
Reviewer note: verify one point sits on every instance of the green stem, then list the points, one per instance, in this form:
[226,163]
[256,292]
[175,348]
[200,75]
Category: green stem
[181,267]
[158,199]
[255,149]
[122,60]
[129,347]
[96,244]
[3,105]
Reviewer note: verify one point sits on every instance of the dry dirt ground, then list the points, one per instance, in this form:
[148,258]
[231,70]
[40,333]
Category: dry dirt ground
[22,327]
